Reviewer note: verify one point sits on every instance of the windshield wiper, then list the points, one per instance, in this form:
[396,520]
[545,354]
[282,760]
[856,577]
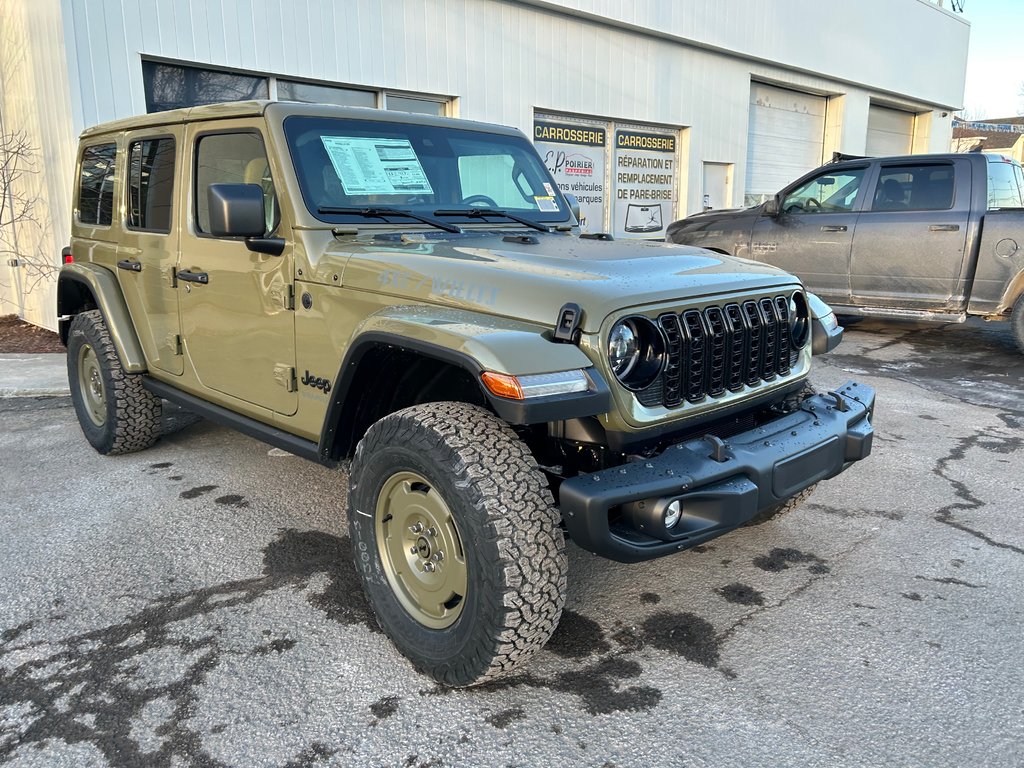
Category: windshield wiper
[383,213]
[478,213]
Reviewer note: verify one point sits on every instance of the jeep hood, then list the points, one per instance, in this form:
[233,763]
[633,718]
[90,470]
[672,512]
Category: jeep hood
[530,277]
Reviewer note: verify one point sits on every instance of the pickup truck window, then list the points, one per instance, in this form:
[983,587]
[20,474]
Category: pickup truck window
[1003,189]
[833,192]
[150,184]
[914,188]
[96,185]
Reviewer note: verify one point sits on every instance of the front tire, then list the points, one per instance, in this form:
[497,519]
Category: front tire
[117,414]
[450,479]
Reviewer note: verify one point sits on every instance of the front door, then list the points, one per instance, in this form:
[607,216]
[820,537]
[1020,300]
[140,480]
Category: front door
[909,249]
[237,324]
[145,268]
[717,186]
[812,234]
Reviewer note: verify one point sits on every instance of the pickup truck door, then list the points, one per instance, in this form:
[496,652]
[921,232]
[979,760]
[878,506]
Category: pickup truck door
[909,249]
[812,234]
[145,266]
[237,319]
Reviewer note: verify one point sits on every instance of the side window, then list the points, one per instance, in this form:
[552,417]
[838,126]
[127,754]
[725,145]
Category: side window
[232,158]
[1003,190]
[150,184]
[914,188]
[96,185]
[826,193]
[1020,179]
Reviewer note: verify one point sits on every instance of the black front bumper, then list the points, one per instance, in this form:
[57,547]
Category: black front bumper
[720,487]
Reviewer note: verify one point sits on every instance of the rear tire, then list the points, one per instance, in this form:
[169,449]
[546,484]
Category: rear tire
[1017,322]
[495,595]
[117,414]
[783,509]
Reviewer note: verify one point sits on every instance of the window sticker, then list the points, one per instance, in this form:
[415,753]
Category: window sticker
[546,203]
[548,189]
[367,166]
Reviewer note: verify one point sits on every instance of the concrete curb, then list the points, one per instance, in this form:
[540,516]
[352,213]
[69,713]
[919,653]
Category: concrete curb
[40,375]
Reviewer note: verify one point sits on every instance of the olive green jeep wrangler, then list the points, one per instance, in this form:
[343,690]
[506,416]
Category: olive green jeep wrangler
[411,297]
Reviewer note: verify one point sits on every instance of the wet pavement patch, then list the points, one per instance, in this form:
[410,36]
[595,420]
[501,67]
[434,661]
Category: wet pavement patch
[684,634]
[650,598]
[577,637]
[741,594]
[779,559]
[199,490]
[915,596]
[232,500]
[506,717]
[384,707]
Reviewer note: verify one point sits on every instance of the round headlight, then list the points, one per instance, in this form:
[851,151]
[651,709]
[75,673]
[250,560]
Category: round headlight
[623,348]
[636,352]
[799,320]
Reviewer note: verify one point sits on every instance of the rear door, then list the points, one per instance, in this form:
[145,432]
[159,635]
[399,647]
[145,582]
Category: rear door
[145,266]
[812,234]
[909,249]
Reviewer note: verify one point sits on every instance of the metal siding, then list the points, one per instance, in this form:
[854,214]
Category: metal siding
[646,61]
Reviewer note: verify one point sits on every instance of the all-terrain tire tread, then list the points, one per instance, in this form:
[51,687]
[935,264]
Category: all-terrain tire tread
[497,474]
[137,411]
[783,509]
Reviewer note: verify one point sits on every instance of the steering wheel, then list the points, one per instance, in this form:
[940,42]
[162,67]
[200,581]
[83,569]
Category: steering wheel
[476,199]
[813,200]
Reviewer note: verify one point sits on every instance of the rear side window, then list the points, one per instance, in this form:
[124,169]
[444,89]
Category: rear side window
[914,188]
[232,158]
[1003,189]
[96,185]
[150,184]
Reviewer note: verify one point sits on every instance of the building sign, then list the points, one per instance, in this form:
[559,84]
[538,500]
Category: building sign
[645,183]
[575,154]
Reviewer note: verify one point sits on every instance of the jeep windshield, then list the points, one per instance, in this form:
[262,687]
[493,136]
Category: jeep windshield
[348,167]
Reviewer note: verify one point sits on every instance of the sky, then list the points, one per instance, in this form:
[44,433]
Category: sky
[995,62]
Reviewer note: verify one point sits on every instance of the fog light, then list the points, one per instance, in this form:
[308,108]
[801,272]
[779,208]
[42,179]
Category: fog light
[672,513]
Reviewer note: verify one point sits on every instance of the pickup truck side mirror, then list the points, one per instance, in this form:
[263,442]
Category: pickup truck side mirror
[236,210]
[574,205]
[771,207]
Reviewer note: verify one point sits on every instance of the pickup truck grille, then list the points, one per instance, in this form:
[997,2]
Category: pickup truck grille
[721,349]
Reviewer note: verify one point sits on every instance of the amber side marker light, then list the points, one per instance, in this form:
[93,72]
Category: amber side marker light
[535,385]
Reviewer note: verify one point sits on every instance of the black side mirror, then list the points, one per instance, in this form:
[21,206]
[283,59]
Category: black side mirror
[236,210]
[771,207]
[574,205]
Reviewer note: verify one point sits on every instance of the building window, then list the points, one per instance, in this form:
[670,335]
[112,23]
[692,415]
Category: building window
[150,184]
[171,86]
[291,90]
[436,107]
[96,185]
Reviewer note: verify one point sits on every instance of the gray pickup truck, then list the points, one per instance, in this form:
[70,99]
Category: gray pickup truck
[933,237]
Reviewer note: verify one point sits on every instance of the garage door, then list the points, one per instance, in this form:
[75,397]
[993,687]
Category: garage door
[890,131]
[787,135]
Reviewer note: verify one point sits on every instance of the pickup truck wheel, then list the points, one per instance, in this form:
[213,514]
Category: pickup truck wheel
[780,510]
[117,414]
[1017,322]
[456,538]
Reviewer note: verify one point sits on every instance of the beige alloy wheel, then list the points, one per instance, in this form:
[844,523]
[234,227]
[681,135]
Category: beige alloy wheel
[90,382]
[419,545]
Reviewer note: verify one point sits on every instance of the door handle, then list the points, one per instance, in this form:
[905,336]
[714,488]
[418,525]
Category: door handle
[131,266]
[944,228]
[193,277]
[836,228]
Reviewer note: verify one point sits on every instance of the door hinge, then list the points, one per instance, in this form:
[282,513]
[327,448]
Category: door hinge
[289,301]
[178,348]
[174,277]
[285,376]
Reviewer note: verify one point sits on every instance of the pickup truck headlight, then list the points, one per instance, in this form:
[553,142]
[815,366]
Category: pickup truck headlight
[636,352]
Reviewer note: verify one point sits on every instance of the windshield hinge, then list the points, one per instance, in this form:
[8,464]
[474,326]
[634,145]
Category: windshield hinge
[570,317]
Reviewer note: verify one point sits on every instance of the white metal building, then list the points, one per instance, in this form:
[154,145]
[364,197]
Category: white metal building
[647,110]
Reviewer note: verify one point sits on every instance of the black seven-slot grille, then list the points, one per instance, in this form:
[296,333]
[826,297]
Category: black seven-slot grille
[721,348]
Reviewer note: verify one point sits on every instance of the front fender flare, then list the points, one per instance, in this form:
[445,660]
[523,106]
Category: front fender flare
[102,284]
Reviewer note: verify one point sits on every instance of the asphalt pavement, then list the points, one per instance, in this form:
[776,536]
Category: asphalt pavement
[195,604]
